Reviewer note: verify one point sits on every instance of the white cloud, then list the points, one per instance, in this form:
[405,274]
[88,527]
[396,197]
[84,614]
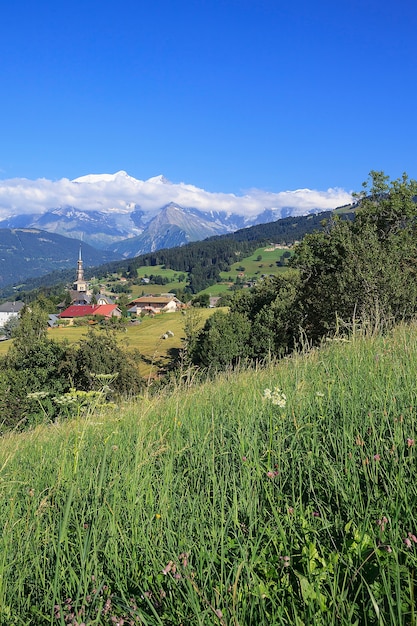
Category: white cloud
[118,191]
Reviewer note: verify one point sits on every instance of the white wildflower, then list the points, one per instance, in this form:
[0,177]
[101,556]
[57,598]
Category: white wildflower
[276,396]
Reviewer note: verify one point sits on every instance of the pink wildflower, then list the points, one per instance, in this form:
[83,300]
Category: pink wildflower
[167,568]
[377,457]
[272,474]
[407,542]
[410,442]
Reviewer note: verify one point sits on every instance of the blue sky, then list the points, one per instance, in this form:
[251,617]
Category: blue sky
[227,96]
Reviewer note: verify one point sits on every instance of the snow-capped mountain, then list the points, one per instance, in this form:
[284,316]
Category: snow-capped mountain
[131,216]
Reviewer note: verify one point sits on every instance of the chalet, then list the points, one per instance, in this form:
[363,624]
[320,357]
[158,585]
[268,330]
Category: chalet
[155,304]
[9,310]
[87,310]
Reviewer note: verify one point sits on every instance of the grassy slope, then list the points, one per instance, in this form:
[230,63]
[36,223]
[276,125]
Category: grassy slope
[288,515]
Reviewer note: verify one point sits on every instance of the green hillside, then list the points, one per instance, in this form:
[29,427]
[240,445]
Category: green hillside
[30,252]
[281,496]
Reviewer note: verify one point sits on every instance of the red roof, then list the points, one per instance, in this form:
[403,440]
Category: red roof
[82,310]
[105,309]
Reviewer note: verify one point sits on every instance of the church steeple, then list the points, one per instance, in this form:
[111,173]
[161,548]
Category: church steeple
[80,284]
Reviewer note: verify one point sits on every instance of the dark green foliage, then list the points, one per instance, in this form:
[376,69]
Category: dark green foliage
[366,268]
[202,300]
[271,308]
[262,322]
[99,353]
[223,341]
[32,373]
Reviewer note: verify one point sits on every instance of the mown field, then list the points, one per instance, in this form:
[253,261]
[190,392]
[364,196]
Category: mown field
[145,337]
[284,495]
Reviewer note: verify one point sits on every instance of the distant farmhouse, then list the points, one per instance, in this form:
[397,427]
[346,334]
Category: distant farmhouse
[155,304]
[8,310]
[86,310]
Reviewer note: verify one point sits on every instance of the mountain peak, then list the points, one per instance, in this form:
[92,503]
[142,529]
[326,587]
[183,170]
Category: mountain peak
[104,178]
[160,179]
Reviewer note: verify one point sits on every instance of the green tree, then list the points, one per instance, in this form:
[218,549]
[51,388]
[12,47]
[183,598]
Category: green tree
[10,327]
[100,353]
[202,300]
[32,372]
[272,310]
[223,341]
[365,268]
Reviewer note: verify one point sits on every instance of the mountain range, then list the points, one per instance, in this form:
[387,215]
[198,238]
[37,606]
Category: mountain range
[127,217]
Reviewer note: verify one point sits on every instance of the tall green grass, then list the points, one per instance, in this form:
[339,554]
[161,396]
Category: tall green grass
[210,504]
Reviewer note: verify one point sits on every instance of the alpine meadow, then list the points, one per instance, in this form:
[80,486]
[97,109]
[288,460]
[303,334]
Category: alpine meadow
[264,475]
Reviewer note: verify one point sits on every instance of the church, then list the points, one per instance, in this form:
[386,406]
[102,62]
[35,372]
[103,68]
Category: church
[80,293]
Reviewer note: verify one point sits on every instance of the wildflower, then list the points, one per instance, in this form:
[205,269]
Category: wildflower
[377,457]
[316,514]
[407,542]
[410,442]
[290,510]
[276,396]
[107,606]
[388,549]
[285,561]
[244,458]
[412,537]
[272,474]
[157,515]
[168,568]
[382,523]
[37,395]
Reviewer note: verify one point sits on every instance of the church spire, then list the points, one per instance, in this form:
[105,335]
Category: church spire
[80,271]
[80,284]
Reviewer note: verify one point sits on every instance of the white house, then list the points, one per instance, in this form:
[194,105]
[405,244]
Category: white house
[9,310]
